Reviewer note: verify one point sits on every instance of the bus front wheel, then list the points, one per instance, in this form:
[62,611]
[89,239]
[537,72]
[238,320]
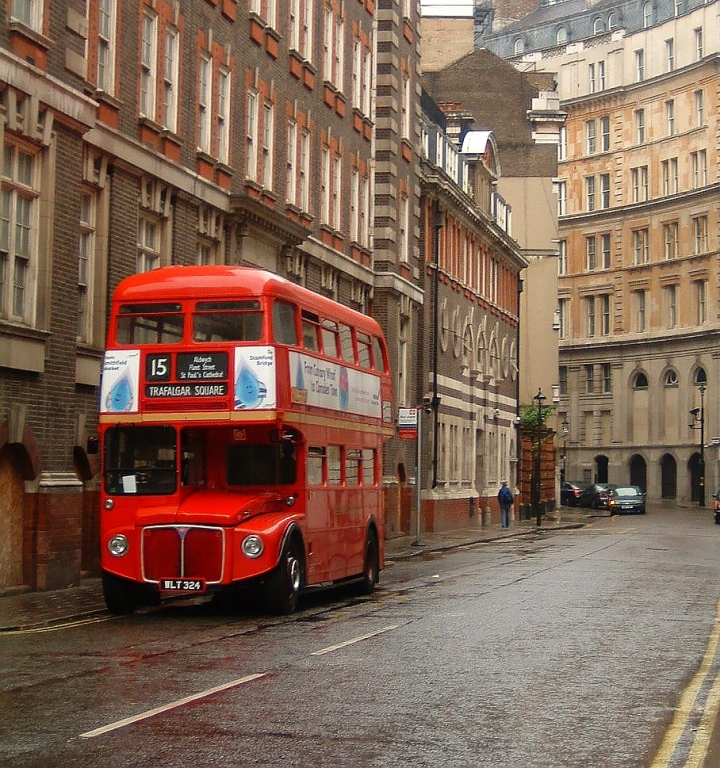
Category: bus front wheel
[120,595]
[284,586]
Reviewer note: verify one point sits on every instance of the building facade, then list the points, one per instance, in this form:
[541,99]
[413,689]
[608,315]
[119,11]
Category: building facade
[638,301]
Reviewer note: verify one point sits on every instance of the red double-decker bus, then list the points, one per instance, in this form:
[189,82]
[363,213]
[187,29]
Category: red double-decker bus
[242,421]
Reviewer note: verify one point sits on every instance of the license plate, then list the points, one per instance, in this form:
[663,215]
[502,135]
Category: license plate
[182,585]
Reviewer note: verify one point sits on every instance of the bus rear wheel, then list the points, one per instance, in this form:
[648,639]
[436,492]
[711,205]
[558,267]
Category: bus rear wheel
[285,583]
[121,597]
[371,569]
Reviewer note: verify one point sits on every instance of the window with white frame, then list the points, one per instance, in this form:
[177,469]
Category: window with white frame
[148,64]
[328,28]
[562,144]
[18,234]
[304,180]
[210,236]
[591,77]
[339,53]
[149,242]
[367,80]
[563,317]
[590,253]
[336,193]
[601,75]
[699,43]
[641,245]
[670,116]
[405,105]
[670,295]
[268,132]
[639,65]
[589,378]
[590,137]
[590,193]
[670,181]
[306,35]
[605,310]
[404,226]
[204,103]
[107,25]
[639,301]
[291,175]
[86,264]
[356,74]
[700,234]
[669,55]
[699,99]
[639,183]
[562,257]
[671,239]
[700,290]
[170,79]
[648,14]
[29,12]
[605,251]
[354,205]
[401,380]
[252,138]
[604,190]
[639,126]
[699,168]
[590,316]
[294,26]
[325,186]
[604,134]
[223,115]
[365,228]
[561,36]
[561,189]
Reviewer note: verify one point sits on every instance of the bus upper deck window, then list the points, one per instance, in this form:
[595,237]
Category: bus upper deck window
[378,357]
[346,344]
[310,331]
[363,347]
[150,324]
[283,320]
[329,333]
[227,321]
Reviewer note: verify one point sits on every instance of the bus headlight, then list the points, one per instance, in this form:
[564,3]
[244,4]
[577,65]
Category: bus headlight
[108,504]
[252,546]
[118,545]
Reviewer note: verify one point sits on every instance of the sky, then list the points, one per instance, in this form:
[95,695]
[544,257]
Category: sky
[447,8]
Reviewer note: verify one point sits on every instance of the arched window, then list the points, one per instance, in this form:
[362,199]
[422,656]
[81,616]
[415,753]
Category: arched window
[598,26]
[647,14]
[671,379]
[700,376]
[612,20]
[519,46]
[561,36]
[640,382]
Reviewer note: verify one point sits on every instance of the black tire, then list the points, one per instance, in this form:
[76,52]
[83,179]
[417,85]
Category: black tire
[121,595]
[285,583]
[371,567]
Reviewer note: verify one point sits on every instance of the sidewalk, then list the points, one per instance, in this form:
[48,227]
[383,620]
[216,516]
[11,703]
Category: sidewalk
[32,610]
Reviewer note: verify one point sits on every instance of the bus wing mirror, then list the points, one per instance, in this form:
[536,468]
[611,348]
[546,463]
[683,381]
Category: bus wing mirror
[92,446]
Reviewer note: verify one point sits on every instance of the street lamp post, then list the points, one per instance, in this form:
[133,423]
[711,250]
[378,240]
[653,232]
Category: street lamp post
[698,422]
[565,433]
[539,398]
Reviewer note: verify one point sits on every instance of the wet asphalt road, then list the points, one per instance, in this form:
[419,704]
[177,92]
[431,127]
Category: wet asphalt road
[568,649]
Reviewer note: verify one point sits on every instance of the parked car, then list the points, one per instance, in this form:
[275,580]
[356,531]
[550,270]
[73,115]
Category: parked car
[595,496]
[626,498]
[570,494]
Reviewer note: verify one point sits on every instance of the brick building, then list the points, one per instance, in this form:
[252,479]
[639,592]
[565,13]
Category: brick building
[142,134]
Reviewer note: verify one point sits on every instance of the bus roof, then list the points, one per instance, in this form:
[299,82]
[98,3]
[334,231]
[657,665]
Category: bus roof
[225,282]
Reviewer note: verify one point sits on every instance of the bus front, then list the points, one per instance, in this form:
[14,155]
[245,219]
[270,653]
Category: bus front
[199,482]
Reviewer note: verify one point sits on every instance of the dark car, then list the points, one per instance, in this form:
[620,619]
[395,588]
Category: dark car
[595,496]
[570,494]
[626,498]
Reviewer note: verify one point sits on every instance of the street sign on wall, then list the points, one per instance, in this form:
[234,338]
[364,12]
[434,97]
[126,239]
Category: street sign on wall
[407,423]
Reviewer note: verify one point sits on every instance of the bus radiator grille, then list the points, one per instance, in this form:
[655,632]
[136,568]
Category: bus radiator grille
[183,551]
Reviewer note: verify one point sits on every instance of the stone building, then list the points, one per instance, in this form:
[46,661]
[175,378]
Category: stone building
[638,243]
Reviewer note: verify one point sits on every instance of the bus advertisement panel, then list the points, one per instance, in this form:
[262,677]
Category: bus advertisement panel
[242,422]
